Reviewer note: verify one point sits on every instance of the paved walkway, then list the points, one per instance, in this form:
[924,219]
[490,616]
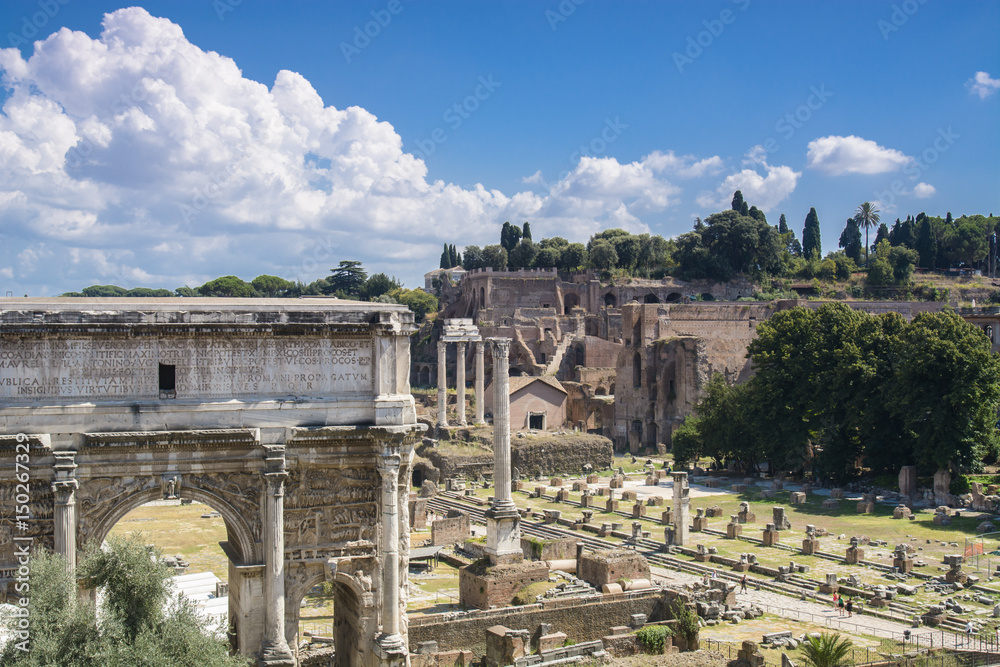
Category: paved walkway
[824,614]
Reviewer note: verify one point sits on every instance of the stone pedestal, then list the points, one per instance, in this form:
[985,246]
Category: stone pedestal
[796,497]
[745,515]
[867,504]
[700,522]
[733,530]
[809,546]
[611,505]
[638,511]
[770,536]
[830,586]
[942,487]
[908,481]
[667,516]
[586,501]
[854,555]
[781,522]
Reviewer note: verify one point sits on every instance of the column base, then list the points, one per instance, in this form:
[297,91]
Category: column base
[391,650]
[503,536]
[276,656]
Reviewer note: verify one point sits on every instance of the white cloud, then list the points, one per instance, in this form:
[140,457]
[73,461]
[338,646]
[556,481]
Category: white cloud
[853,155]
[764,192]
[981,84]
[139,158]
[923,190]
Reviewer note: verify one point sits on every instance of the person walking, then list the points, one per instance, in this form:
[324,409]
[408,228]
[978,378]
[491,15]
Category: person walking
[836,598]
[849,607]
[969,628]
[743,586]
[840,605]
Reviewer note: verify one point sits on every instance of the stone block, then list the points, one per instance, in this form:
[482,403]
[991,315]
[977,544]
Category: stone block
[699,523]
[770,535]
[586,501]
[837,493]
[854,555]
[593,479]
[797,497]
[655,501]
[831,504]
[713,511]
[667,516]
[809,546]
[901,512]
[562,495]
[738,488]
[733,530]
[630,495]
[638,511]
[551,641]
[617,482]
[556,481]
[611,506]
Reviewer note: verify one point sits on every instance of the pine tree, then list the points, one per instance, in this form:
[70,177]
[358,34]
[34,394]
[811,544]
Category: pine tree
[812,247]
[445,258]
[745,210]
[850,240]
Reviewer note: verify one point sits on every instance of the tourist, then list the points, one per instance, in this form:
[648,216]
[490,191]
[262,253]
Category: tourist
[969,629]
[840,605]
[836,598]
[743,589]
[849,607]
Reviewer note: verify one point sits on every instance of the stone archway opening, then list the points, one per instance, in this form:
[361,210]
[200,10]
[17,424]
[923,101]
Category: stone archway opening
[188,535]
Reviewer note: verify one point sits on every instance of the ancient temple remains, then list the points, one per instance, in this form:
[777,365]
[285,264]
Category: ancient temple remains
[460,331]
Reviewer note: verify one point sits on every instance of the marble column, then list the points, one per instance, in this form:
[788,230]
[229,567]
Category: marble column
[480,379]
[442,383]
[274,648]
[460,382]
[503,528]
[64,514]
[682,508]
[391,646]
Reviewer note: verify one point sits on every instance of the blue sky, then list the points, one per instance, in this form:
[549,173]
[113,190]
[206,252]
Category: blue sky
[172,143]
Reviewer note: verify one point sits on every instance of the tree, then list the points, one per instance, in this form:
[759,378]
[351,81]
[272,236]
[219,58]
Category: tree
[104,291]
[148,292]
[139,624]
[738,202]
[272,286]
[603,255]
[882,234]
[227,286]
[946,390]
[496,257]
[473,258]
[827,650]
[850,240]
[445,262]
[185,291]
[783,225]
[867,216]
[509,236]
[573,257]
[812,247]
[526,231]
[523,255]
[377,285]
[417,300]
[926,242]
[346,279]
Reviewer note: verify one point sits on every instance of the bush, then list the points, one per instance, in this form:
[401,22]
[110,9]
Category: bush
[654,637]
[687,620]
[960,485]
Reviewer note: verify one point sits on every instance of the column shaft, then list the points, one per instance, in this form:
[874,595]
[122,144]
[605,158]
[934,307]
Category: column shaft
[275,649]
[389,470]
[460,382]
[442,373]
[500,348]
[64,512]
[480,379]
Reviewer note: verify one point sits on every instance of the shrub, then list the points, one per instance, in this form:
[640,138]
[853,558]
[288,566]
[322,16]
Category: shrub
[654,637]
[687,620]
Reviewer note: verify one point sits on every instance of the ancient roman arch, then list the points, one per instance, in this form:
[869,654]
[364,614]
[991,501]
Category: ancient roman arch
[291,418]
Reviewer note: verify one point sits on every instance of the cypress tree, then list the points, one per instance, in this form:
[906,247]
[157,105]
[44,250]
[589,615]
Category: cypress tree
[782,225]
[812,247]
[526,233]
[738,201]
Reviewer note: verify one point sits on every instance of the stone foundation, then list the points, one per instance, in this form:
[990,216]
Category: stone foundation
[483,586]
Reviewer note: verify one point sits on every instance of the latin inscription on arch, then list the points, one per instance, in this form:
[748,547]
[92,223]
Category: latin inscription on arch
[110,369]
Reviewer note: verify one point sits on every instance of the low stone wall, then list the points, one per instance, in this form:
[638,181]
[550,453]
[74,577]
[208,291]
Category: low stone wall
[560,454]
[582,619]
[452,530]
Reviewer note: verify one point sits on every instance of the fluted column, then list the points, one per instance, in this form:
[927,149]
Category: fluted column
[64,515]
[442,383]
[391,641]
[460,382]
[274,650]
[480,379]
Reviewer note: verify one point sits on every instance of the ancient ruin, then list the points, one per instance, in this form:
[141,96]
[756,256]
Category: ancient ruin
[293,420]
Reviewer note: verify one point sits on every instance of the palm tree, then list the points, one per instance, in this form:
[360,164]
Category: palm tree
[867,217]
[827,650]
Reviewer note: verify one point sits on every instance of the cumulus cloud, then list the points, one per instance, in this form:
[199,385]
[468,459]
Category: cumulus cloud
[139,158]
[763,191]
[981,84]
[853,155]
[923,190]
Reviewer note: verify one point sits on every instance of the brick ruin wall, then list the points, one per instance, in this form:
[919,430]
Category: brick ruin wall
[602,568]
[581,620]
